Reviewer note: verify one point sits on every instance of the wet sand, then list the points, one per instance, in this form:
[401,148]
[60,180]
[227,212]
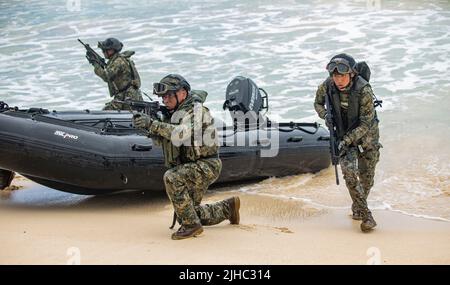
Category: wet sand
[43,226]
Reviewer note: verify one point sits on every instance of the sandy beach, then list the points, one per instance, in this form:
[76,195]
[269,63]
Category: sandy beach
[284,48]
[44,226]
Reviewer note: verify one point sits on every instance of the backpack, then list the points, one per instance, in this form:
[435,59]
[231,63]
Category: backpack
[363,70]
[136,79]
[199,95]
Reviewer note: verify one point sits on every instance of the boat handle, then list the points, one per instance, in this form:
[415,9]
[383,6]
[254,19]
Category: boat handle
[322,138]
[139,147]
[295,139]
[263,142]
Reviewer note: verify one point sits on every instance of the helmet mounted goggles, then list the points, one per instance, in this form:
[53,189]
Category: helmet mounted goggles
[341,65]
[161,89]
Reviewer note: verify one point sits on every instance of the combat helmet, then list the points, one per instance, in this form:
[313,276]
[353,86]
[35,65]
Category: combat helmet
[343,63]
[111,43]
[171,82]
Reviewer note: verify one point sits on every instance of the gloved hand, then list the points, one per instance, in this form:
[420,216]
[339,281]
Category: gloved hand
[328,121]
[341,146]
[89,58]
[142,121]
[345,142]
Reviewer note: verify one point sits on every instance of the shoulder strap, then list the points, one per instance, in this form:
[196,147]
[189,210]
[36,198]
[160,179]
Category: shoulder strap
[359,84]
[334,100]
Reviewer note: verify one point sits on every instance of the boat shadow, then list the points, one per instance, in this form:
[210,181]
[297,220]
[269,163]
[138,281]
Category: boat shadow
[34,196]
[43,198]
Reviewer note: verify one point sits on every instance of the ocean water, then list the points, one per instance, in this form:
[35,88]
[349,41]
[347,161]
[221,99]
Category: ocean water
[284,47]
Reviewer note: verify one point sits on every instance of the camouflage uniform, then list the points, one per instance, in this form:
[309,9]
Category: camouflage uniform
[122,78]
[358,126]
[192,167]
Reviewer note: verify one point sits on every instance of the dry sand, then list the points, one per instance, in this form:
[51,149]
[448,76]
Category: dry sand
[43,226]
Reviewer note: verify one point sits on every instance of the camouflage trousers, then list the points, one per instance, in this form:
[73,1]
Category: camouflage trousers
[186,184]
[129,94]
[359,171]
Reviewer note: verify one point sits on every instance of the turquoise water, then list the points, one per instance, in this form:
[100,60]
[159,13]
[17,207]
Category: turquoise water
[283,46]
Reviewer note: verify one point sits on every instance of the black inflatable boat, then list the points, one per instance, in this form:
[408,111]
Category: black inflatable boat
[98,152]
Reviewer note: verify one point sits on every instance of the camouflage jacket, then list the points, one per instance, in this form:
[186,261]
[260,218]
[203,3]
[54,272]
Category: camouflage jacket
[120,73]
[354,115]
[188,135]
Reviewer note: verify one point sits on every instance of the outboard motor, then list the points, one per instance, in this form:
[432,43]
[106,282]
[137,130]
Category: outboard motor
[6,177]
[3,106]
[243,97]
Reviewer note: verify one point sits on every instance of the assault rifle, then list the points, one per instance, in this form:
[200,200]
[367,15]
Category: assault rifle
[333,138]
[92,56]
[152,109]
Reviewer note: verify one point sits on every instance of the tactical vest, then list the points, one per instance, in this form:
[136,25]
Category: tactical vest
[353,105]
[135,78]
[174,155]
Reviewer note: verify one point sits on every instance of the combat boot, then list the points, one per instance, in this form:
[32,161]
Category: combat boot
[357,215]
[368,223]
[356,212]
[234,204]
[187,232]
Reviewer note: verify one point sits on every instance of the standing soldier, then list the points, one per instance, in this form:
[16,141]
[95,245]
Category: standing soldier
[193,163]
[354,116]
[120,74]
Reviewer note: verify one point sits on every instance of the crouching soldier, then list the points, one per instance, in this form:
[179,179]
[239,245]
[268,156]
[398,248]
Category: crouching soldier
[193,163]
